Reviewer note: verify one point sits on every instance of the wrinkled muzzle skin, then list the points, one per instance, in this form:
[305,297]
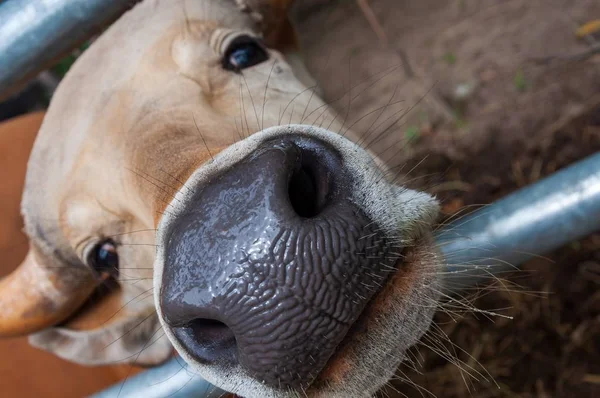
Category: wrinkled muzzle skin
[268,248]
[290,288]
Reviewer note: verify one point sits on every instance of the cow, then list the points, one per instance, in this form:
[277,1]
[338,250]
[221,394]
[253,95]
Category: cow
[189,189]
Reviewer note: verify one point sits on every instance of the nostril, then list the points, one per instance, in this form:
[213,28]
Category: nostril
[303,193]
[209,341]
[210,330]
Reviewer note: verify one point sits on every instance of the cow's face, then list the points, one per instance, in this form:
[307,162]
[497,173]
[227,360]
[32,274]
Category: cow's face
[184,160]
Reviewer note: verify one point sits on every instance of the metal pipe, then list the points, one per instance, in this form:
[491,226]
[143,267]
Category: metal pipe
[36,33]
[172,380]
[535,220]
[532,221]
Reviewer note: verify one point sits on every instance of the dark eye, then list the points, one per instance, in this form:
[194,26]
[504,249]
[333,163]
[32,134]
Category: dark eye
[104,259]
[244,52]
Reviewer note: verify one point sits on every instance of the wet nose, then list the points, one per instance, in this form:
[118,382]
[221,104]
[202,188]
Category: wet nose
[272,262]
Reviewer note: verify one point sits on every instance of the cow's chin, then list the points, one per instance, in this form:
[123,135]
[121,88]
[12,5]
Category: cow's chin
[369,355]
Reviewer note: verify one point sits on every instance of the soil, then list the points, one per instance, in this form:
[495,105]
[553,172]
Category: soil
[472,100]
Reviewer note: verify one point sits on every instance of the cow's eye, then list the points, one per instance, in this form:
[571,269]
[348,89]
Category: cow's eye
[244,52]
[104,259]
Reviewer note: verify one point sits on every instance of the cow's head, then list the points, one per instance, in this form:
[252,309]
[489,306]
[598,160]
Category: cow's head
[182,158]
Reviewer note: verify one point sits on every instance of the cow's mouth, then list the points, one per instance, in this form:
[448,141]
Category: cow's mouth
[416,271]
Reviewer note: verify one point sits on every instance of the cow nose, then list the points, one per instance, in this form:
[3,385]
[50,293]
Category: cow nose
[271,262]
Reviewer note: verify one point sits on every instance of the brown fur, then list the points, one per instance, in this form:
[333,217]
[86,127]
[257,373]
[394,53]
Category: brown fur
[26,371]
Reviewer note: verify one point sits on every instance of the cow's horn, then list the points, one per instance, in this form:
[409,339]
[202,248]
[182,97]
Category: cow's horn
[35,296]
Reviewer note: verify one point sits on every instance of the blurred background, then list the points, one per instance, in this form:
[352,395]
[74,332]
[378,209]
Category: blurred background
[476,99]
[494,95]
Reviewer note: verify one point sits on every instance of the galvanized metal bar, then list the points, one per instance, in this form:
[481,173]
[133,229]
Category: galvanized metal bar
[532,221]
[173,380]
[535,220]
[36,33]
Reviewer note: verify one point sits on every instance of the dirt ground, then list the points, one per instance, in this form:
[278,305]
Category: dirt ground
[477,98]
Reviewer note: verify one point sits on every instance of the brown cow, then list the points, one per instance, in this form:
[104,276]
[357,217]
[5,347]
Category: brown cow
[188,189]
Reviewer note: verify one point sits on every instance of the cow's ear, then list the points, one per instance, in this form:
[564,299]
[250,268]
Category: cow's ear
[108,332]
[272,17]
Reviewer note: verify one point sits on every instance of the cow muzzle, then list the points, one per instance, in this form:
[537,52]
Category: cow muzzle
[272,261]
